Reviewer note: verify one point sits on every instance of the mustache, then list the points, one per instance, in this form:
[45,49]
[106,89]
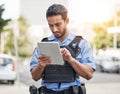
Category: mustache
[55,31]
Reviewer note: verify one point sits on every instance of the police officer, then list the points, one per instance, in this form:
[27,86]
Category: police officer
[83,64]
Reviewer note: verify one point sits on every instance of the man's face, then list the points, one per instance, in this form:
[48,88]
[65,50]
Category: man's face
[57,25]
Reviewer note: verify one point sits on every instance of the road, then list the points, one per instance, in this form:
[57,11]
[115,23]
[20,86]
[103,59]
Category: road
[106,88]
[103,78]
[13,89]
[102,83]
[99,77]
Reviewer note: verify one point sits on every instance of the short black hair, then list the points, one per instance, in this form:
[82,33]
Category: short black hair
[57,9]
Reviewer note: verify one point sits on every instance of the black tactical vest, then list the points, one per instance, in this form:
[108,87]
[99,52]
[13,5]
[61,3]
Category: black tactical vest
[63,73]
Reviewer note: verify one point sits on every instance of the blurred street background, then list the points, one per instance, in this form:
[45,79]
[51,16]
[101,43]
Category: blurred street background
[106,83]
[23,24]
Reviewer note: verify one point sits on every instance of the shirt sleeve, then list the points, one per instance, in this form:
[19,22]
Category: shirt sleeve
[34,60]
[86,54]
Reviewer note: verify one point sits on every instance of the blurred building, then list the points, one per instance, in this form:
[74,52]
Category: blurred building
[35,10]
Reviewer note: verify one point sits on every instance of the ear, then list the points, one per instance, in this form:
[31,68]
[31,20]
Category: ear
[67,20]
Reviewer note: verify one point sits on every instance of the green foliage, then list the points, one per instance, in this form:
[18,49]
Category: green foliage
[3,22]
[9,42]
[22,39]
[102,37]
[118,41]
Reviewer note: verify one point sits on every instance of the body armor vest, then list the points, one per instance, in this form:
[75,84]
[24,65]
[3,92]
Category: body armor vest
[63,73]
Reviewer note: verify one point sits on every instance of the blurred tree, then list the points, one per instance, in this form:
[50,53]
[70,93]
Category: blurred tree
[102,37]
[9,42]
[118,41]
[118,36]
[3,22]
[23,42]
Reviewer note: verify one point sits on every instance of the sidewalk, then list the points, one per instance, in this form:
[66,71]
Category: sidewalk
[106,88]
[14,89]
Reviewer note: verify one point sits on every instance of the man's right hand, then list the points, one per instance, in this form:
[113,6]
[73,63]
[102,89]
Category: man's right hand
[43,60]
[37,71]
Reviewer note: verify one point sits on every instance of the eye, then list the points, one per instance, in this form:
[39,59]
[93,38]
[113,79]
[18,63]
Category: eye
[58,24]
[50,25]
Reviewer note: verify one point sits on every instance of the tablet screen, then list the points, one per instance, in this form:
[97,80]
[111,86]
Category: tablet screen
[51,49]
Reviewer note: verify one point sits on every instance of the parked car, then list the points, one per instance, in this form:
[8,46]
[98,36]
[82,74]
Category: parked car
[7,69]
[106,63]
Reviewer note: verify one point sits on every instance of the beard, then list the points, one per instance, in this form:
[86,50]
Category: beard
[61,34]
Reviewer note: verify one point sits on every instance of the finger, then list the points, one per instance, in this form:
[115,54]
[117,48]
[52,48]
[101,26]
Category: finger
[42,56]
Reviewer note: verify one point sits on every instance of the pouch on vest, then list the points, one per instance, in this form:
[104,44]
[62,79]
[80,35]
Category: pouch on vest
[63,73]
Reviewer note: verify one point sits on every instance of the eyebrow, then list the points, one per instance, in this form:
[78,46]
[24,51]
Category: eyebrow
[55,23]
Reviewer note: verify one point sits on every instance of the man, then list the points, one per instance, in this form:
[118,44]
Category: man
[83,64]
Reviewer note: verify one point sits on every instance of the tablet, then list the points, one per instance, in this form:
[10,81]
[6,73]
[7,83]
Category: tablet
[51,49]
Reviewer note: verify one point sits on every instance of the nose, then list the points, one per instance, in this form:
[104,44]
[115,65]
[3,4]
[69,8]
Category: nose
[55,29]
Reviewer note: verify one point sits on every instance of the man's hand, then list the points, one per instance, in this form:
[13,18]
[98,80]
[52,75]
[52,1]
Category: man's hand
[43,60]
[66,54]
